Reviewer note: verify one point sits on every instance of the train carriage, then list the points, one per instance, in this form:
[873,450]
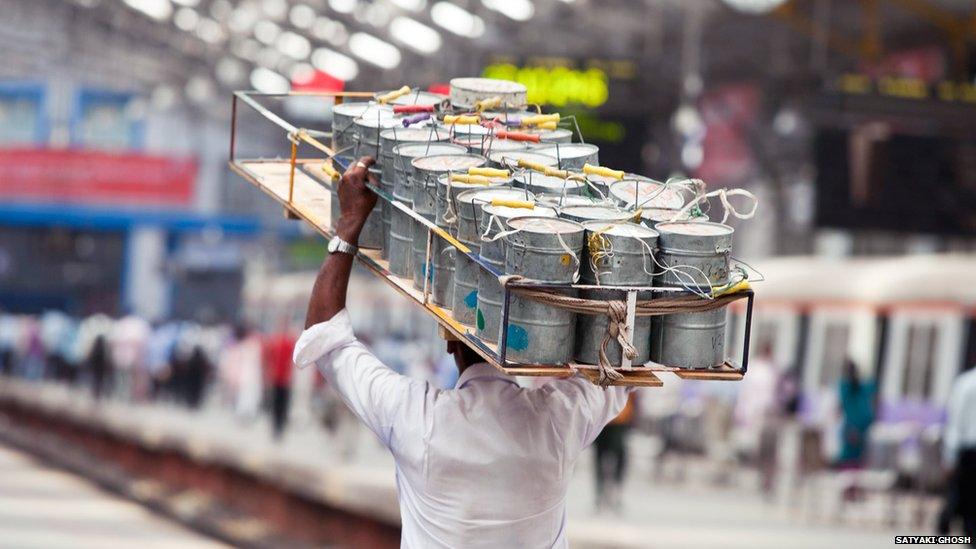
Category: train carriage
[906,322]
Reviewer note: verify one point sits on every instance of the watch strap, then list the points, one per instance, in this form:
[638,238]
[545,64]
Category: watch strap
[339,245]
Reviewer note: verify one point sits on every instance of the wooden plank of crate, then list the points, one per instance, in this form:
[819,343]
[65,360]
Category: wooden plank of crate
[636,377]
[723,373]
[311,201]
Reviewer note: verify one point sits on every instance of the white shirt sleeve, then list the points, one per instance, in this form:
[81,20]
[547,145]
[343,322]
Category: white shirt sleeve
[580,409]
[372,391]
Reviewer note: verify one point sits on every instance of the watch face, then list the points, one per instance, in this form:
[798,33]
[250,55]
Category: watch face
[333,245]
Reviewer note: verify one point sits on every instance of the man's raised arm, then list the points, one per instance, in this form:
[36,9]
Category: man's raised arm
[355,203]
[377,395]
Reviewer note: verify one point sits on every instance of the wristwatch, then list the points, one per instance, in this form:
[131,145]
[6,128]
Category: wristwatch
[339,245]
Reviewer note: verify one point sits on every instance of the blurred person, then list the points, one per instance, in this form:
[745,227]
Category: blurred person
[755,413]
[610,464]
[788,393]
[959,454]
[181,382]
[89,330]
[9,335]
[33,356]
[129,340]
[239,369]
[100,366]
[486,464]
[718,421]
[278,373]
[56,328]
[857,413]
[197,371]
[159,355]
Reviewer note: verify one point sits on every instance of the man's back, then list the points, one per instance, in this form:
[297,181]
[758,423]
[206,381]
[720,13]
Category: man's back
[484,465]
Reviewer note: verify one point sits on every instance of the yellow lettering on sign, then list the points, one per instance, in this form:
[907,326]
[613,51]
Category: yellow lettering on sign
[855,83]
[967,92]
[946,91]
[910,88]
[556,85]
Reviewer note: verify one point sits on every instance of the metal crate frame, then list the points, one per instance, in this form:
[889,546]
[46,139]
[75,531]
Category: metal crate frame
[306,168]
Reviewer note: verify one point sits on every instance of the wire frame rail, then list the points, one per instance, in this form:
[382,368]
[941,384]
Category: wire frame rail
[301,185]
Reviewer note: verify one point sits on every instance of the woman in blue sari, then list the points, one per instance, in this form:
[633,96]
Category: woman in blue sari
[857,408]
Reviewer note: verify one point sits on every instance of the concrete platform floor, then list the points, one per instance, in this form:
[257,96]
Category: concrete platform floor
[45,507]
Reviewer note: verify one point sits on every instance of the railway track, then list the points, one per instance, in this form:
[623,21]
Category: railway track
[222,500]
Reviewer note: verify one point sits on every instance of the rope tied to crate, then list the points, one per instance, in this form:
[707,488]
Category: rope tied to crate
[616,312]
[617,329]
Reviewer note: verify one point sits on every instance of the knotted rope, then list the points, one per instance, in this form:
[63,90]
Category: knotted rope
[617,329]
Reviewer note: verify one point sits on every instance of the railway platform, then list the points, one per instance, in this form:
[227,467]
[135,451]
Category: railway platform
[42,506]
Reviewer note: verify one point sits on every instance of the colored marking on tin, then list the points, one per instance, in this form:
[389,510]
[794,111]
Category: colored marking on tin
[565,259]
[427,270]
[471,300]
[518,338]
[480,320]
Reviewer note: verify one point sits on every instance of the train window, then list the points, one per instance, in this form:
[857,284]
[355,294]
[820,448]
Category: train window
[924,353]
[920,361]
[765,334]
[834,353]
[776,330]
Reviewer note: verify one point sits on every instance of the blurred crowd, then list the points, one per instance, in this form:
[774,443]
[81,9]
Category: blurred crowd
[131,359]
[237,367]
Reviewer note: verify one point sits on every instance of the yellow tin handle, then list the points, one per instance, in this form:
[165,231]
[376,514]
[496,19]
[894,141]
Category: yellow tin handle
[330,171]
[562,174]
[462,119]
[487,104]
[534,166]
[488,172]
[602,171]
[513,203]
[470,179]
[538,119]
[387,97]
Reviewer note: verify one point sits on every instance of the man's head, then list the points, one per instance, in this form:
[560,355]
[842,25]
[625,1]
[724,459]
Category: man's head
[464,356]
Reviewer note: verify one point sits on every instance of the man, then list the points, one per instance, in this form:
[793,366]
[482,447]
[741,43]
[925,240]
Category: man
[278,352]
[755,413]
[959,452]
[611,453]
[486,464]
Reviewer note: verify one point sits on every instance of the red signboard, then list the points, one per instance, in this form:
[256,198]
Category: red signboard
[92,177]
[318,81]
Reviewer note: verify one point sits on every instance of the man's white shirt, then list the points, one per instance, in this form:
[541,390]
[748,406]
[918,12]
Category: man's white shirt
[486,464]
